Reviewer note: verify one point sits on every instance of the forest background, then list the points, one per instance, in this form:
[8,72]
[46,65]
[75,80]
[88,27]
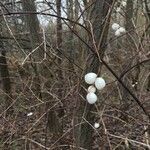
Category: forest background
[47,47]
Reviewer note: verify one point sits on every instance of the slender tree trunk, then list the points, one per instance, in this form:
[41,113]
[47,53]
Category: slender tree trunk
[6,91]
[32,25]
[76,10]
[59,24]
[147,9]
[83,133]
[59,45]
[71,50]
[6,82]
[53,120]
[130,37]
[35,40]
[5,77]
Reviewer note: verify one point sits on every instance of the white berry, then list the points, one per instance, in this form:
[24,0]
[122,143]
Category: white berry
[100,83]
[90,78]
[91,89]
[30,114]
[117,33]
[96,125]
[91,98]
[124,3]
[115,26]
[122,30]
[118,9]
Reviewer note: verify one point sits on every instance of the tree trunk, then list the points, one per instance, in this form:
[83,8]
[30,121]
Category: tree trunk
[83,133]
[70,16]
[35,40]
[33,27]
[53,120]
[6,82]
[5,77]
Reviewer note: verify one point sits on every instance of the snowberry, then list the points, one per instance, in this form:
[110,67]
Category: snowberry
[91,98]
[117,33]
[90,78]
[122,30]
[115,26]
[118,9]
[30,114]
[91,89]
[100,83]
[19,21]
[124,3]
[96,125]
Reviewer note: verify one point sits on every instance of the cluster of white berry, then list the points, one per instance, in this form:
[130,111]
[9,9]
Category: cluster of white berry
[118,29]
[96,83]
[122,5]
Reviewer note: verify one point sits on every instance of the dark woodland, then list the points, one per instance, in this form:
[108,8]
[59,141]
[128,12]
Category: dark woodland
[74,75]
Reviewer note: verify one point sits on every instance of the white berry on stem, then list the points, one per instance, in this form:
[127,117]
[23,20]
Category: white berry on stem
[96,125]
[100,83]
[91,89]
[91,98]
[90,78]
[115,26]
